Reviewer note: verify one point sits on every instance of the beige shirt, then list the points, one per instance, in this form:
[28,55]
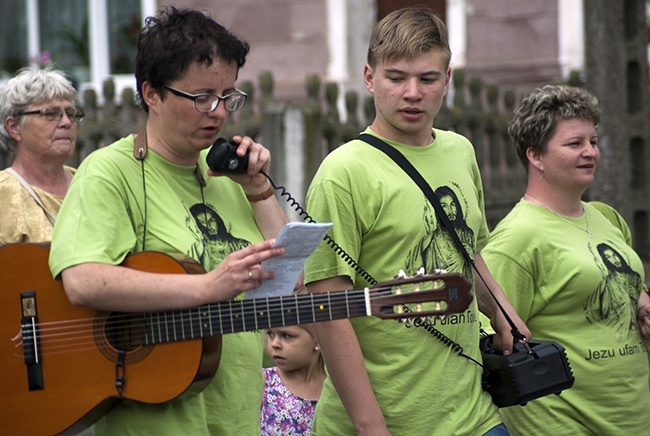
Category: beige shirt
[21,218]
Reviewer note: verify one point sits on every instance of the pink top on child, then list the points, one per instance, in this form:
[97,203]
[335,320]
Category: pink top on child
[283,413]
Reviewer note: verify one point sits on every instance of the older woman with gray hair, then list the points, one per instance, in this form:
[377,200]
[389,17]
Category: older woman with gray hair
[39,128]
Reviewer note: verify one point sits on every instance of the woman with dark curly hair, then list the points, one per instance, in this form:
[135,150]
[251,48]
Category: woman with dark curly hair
[142,193]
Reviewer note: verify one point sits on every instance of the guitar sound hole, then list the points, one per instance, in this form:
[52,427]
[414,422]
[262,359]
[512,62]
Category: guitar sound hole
[114,332]
[125,331]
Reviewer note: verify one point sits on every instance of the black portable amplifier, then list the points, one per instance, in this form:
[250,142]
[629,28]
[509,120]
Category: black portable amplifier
[525,375]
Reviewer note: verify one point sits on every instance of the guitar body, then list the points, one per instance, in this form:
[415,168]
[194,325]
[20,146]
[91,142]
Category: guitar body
[78,362]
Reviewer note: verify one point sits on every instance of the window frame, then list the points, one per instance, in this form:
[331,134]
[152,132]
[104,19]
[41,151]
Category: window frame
[99,43]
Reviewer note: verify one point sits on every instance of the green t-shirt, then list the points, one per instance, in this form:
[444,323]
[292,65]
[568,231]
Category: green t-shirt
[581,292]
[384,222]
[102,219]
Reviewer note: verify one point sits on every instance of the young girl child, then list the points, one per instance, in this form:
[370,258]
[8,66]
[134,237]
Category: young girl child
[293,386]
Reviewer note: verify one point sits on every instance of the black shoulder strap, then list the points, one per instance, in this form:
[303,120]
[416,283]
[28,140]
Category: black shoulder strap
[401,161]
[404,163]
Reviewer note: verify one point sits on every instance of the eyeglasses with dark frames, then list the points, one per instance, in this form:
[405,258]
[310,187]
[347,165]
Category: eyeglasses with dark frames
[209,102]
[56,114]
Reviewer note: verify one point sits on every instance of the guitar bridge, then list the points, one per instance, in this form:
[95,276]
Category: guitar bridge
[31,343]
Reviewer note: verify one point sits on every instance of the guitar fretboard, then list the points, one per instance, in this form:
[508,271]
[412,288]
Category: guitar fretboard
[252,314]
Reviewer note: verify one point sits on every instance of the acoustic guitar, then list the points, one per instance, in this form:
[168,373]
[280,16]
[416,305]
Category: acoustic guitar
[62,367]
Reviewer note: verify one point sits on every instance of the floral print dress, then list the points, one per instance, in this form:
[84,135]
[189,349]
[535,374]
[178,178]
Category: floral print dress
[283,413]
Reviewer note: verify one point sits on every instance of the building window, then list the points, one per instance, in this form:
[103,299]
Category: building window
[63,34]
[13,33]
[90,39]
[124,24]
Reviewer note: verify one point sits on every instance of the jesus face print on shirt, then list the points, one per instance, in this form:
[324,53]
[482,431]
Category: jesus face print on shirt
[213,239]
[437,249]
[614,301]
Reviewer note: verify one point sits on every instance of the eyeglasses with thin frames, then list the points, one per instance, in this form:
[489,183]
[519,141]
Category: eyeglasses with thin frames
[209,102]
[56,114]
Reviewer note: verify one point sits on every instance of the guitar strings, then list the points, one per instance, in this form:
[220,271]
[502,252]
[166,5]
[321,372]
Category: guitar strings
[71,341]
[80,335]
[90,333]
[64,330]
[76,335]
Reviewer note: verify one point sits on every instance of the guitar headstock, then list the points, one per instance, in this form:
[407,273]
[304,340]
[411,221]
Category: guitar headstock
[425,294]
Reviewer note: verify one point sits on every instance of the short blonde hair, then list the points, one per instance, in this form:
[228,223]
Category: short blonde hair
[407,33]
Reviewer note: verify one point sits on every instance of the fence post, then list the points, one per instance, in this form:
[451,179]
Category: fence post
[332,127]
[272,125]
[313,120]
[89,130]
[352,126]
[515,172]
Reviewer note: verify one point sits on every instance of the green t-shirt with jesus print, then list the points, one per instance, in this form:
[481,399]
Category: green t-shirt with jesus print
[581,292]
[102,219]
[384,221]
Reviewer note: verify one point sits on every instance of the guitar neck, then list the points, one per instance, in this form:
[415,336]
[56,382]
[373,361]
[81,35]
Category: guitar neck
[254,314]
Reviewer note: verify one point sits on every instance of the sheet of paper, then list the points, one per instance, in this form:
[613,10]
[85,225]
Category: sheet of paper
[300,240]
